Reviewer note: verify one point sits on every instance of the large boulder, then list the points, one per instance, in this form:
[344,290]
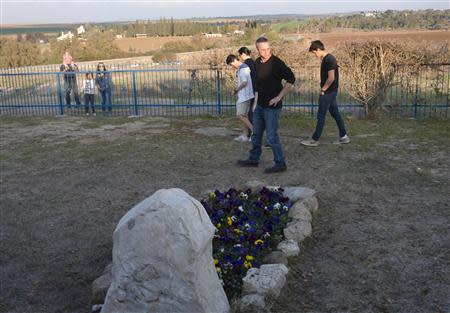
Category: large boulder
[162,258]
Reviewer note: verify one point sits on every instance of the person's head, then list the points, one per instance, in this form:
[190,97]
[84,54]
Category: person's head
[67,58]
[89,75]
[317,48]
[101,67]
[263,47]
[244,53]
[233,61]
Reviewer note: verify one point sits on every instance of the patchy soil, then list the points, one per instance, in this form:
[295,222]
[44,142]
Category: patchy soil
[381,238]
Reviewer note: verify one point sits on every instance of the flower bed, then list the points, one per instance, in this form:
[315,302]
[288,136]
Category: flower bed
[249,227]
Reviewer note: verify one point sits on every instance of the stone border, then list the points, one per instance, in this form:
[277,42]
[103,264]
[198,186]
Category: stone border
[266,282]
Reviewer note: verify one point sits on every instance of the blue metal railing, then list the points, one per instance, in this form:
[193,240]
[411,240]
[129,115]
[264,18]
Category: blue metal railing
[180,91]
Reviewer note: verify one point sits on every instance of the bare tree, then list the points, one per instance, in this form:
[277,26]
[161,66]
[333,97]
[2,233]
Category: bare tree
[369,67]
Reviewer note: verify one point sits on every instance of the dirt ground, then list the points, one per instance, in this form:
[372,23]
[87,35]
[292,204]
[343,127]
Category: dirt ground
[381,238]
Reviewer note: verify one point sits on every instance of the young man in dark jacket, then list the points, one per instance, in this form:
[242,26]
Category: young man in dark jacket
[270,71]
[329,83]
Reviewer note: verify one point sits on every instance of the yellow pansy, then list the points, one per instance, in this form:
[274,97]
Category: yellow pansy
[249,258]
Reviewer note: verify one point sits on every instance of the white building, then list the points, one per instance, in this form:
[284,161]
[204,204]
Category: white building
[66,36]
[212,35]
[80,30]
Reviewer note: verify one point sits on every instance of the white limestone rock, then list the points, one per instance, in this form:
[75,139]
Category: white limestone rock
[253,303]
[266,280]
[298,193]
[311,203]
[298,230]
[289,247]
[299,211]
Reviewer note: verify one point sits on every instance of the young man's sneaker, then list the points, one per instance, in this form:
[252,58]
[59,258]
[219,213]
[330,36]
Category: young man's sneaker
[247,163]
[276,168]
[343,140]
[310,143]
[241,138]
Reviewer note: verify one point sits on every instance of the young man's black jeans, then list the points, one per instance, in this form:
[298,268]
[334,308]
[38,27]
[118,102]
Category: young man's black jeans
[327,102]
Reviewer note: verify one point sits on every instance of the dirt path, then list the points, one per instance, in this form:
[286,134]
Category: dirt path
[380,240]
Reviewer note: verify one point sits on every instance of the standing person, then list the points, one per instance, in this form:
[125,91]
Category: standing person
[244,93]
[69,67]
[329,83]
[270,71]
[245,56]
[89,93]
[104,85]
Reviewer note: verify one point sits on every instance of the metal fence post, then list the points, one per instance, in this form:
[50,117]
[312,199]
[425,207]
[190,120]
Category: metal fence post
[416,98]
[219,100]
[60,98]
[136,111]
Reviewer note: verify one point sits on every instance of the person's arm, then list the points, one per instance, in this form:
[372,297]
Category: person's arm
[241,86]
[286,74]
[283,92]
[255,102]
[244,75]
[328,82]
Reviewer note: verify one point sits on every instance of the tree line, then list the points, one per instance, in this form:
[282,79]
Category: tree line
[387,20]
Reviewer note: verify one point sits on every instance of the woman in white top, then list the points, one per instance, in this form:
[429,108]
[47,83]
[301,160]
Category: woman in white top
[89,93]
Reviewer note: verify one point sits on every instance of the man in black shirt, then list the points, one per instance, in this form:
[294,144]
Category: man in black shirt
[329,83]
[270,71]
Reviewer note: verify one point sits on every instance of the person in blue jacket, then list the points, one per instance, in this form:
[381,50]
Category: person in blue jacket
[104,85]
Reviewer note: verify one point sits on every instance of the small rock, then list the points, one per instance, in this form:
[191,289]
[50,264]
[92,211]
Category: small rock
[276,257]
[101,285]
[253,303]
[312,204]
[299,211]
[298,230]
[298,193]
[96,308]
[289,247]
[266,280]
[254,185]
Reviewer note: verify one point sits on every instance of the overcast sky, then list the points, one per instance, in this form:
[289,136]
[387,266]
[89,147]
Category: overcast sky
[51,11]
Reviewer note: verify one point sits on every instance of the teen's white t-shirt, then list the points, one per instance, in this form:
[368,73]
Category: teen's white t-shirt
[243,75]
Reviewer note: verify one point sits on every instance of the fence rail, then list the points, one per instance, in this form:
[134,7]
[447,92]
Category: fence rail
[195,90]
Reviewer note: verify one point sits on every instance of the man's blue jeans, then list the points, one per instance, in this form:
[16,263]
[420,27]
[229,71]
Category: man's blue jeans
[267,119]
[327,102]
